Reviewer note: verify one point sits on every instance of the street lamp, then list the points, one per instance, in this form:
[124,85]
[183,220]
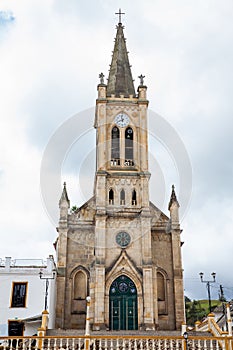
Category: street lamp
[185,335]
[46,286]
[213,274]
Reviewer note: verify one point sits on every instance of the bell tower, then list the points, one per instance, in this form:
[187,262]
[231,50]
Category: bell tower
[122,177]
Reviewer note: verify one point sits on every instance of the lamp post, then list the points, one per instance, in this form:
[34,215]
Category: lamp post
[185,335]
[213,274]
[46,286]
[87,328]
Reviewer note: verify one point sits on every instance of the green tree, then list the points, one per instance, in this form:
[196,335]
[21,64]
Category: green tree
[194,311]
[74,208]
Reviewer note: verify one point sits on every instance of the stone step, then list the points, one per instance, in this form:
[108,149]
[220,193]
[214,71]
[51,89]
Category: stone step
[77,332]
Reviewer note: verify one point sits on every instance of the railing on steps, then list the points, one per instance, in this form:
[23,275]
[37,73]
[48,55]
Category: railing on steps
[211,326]
[119,342]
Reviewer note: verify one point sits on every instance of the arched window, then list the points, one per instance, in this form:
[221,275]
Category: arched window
[129,147]
[160,287]
[111,196]
[115,146]
[134,198]
[80,286]
[161,294]
[122,197]
[80,290]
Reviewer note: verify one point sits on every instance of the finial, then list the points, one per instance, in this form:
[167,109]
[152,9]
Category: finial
[119,13]
[101,76]
[64,184]
[173,187]
[141,77]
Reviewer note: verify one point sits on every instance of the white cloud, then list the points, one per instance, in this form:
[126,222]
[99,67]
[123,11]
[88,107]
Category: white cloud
[51,55]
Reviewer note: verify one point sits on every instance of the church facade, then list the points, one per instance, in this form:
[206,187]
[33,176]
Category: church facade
[118,247]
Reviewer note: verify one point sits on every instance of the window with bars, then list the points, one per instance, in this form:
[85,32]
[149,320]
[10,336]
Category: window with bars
[19,293]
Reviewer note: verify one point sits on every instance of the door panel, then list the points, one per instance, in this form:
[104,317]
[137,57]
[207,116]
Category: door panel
[123,313]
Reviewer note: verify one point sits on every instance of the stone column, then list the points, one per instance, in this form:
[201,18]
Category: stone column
[148,298]
[178,280]
[100,125]
[99,311]
[143,132]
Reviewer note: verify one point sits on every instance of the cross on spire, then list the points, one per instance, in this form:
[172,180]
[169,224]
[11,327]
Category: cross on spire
[119,13]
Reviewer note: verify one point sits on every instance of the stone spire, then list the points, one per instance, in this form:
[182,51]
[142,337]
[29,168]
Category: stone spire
[173,207]
[64,198]
[120,81]
[173,198]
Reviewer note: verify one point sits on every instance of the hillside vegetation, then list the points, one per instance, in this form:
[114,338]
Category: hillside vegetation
[197,310]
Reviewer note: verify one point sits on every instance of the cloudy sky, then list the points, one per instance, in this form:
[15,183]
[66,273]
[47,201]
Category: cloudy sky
[51,53]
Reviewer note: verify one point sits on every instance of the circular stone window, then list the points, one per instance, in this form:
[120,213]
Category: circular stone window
[123,239]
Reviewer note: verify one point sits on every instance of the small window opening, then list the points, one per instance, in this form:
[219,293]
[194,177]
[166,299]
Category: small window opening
[111,197]
[134,198]
[122,197]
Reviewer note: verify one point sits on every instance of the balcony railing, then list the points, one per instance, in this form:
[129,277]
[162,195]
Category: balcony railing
[117,163]
[116,342]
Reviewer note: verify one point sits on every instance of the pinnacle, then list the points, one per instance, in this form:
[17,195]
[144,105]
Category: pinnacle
[173,198]
[64,195]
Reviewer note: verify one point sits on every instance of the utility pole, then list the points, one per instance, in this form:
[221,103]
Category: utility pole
[223,300]
[213,274]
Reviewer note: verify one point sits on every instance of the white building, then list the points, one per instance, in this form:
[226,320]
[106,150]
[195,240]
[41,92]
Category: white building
[23,294]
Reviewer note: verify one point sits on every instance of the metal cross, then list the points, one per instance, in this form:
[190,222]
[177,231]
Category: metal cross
[141,77]
[101,76]
[119,13]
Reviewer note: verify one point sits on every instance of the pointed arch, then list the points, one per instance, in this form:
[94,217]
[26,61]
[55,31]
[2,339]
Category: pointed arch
[80,290]
[111,196]
[134,197]
[115,146]
[129,156]
[122,197]
[80,285]
[130,269]
[124,265]
[160,287]
[162,292]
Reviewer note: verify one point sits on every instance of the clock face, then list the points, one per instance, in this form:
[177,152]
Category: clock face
[123,239]
[122,120]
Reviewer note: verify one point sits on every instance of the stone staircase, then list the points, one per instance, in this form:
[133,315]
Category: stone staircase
[79,332]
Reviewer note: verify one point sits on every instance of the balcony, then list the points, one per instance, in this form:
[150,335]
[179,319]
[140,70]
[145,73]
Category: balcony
[117,163]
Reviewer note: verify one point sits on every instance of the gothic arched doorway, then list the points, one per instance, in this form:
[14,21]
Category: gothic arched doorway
[123,307]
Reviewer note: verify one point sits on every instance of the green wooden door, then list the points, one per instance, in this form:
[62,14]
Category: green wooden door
[123,310]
